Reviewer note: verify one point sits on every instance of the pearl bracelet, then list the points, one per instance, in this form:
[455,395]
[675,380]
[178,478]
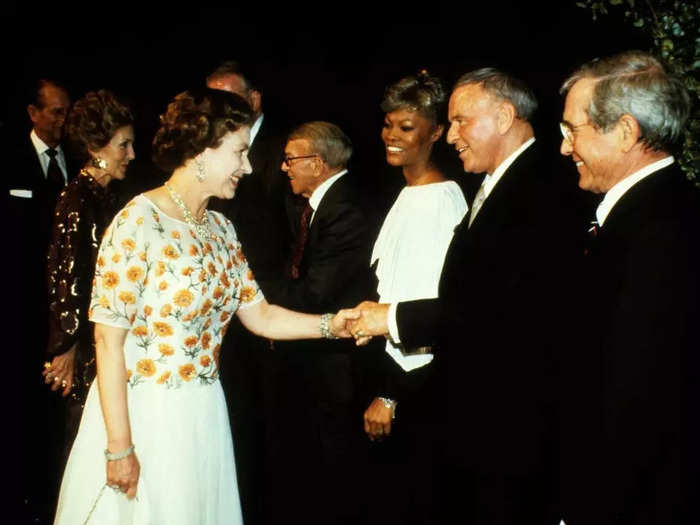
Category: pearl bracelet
[325,327]
[109,456]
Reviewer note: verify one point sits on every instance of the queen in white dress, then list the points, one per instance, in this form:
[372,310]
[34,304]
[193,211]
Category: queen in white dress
[154,443]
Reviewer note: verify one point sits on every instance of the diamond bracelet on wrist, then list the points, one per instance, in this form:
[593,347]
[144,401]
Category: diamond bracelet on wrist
[109,456]
[389,403]
[325,327]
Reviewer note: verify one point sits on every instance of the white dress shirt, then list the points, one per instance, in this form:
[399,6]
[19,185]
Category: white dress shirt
[615,193]
[255,128]
[319,192]
[489,182]
[41,147]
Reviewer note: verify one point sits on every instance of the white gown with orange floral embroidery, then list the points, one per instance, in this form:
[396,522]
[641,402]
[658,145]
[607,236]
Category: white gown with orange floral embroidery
[175,294]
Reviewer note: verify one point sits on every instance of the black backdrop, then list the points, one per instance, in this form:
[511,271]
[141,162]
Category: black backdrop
[328,61]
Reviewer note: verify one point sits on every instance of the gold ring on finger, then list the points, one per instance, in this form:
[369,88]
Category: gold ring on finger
[56,378]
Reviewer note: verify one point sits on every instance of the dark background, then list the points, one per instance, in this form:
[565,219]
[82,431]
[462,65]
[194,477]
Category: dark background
[313,61]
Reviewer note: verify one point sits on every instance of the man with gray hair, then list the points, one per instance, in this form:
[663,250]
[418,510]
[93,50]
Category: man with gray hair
[318,409]
[495,321]
[629,386]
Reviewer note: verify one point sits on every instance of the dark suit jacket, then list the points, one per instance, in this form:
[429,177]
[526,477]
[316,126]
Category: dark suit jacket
[493,329]
[632,384]
[29,221]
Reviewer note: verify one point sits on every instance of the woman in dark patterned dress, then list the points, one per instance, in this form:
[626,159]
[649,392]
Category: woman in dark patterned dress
[100,129]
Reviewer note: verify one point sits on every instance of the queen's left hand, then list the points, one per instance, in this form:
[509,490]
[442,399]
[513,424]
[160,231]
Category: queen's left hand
[341,321]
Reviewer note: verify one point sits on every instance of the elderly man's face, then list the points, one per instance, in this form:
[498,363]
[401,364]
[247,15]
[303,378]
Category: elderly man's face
[473,128]
[595,153]
[48,119]
[300,168]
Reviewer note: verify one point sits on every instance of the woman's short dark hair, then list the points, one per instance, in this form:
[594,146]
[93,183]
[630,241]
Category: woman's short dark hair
[195,120]
[93,121]
[423,93]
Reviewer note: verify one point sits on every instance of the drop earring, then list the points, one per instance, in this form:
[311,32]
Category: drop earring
[201,173]
[98,163]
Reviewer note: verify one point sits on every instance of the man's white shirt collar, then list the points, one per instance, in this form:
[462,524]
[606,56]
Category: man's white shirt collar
[256,127]
[615,193]
[491,179]
[319,192]
[41,147]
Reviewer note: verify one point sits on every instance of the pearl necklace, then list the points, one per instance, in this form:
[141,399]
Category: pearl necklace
[201,227]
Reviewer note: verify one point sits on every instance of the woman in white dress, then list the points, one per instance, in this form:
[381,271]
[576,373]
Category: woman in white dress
[154,444]
[409,253]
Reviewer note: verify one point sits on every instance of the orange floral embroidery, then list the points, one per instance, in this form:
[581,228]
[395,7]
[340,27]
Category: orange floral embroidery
[134,273]
[132,318]
[193,250]
[147,310]
[190,316]
[206,307]
[165,310]
[207,324]
[124,214]
[251,277]
[170,252]
[215,354]
[146,367]
[187,270]
[218,292]
[160,268]
[142,256]
[187,372]
[163,286]
[162,329]
[206,339]
[128,245]
[247,294]
[141,331]
[110,280]
[224,316]
[163,377]
[175,234]
[116,258]
[165,349]
[202,276]
[212,268]
[100,261]
[127,297]
[139,221]
[183,298]
[205,360]
[129,373]
[224,280]
[191,340]
[104,302]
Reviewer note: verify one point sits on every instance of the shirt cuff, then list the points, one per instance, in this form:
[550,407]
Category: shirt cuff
[391,323]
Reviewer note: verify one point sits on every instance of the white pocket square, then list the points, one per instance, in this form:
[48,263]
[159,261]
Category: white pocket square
[25,194]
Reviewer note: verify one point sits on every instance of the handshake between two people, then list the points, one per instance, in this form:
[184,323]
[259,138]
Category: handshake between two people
[363,322]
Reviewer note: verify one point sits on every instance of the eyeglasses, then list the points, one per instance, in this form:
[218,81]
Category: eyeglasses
[288,160]
[568,131]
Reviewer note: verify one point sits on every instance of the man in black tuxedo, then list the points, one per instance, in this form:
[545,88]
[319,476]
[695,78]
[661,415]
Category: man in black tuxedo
[318,410]
[495,321]
[38,168]
[259,214]
[631,410]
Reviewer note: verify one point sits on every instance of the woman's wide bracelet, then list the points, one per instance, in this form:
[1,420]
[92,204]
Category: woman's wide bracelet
[109,456]
[325,327]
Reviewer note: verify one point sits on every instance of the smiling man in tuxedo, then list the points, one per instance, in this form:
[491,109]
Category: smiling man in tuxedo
[495,322]
[630,447]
